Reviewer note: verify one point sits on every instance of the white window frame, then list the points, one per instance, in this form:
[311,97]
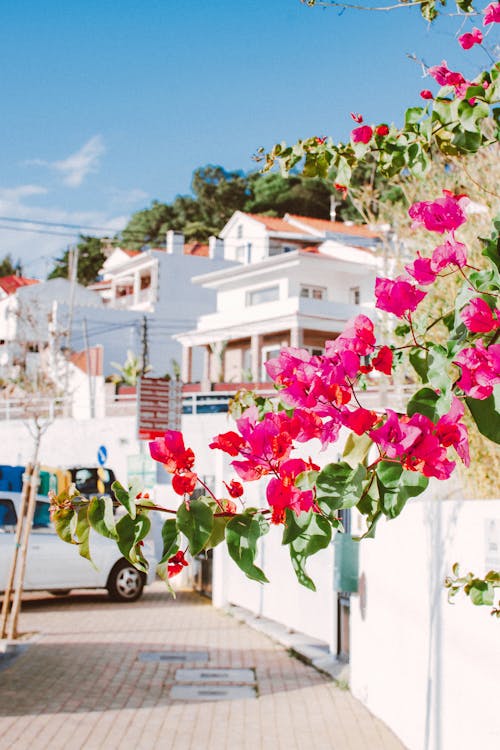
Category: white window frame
[264,352]
[307,291]
[355,295]
[250,292]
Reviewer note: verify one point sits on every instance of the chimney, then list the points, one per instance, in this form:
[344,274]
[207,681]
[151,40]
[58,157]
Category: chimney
[175,243]
[333,208]
[215,248]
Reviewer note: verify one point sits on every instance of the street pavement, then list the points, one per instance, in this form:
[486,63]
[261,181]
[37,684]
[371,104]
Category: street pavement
[88,680]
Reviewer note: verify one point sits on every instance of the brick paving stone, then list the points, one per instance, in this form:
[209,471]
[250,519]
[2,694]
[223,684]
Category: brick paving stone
[80,684]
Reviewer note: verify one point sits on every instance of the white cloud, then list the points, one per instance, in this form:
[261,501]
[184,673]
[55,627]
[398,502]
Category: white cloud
[12,196]
[37,250]
[123,197]
[75,167]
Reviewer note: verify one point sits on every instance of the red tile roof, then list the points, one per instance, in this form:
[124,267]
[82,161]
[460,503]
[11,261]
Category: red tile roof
[130,253]
[11,284]
[196,248]
[94,359]
[337,227]
[274,224]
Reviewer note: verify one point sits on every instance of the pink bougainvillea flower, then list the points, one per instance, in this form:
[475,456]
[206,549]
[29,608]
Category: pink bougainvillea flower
[442,215]
[358,336]
[449,253]
[446,77]
[421,271]
[382,129]
[282,493]
[360,420]
[492,14]
[229,442]
[479,317]
[362,135]
[426,94]
[397,296]
[383,361]
[469,39]
[451,431]
[184,484]
[171,452]
[176,564]
[426,454]
[395,436]
[357,117]
[234,488]
[480,367]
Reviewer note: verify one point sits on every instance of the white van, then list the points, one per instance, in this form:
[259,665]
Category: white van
[55,566]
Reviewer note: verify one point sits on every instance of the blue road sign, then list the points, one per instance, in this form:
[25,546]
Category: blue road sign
[102,454]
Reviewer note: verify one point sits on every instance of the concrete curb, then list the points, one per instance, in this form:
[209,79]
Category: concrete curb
[309,650]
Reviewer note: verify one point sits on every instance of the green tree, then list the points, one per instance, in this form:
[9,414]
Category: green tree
[9,268]
[90,260]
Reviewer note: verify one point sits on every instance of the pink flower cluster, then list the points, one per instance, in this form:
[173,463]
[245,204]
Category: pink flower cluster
[446,77]
[492,14]
[480,367]
[400,296]
[420,445]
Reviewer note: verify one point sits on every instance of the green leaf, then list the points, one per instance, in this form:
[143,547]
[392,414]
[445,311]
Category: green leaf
[438,368]
[469,115]
[396,486]
[428,402]
[339,486]
[402,329]
[481,592]
[242,533]
[63,520]
[196,523]
[418,360]
[123,497]
[101,516]
[170,536]
[486,414]
[82,533]
[306,480]
[356,449]
[306,534]
[467,142]
[218,531]
[130,532]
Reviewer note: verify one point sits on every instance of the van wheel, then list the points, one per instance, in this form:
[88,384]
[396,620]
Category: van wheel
[60,592]
[125,583]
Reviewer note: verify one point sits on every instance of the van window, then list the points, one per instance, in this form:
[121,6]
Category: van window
[41,519]
[8,515]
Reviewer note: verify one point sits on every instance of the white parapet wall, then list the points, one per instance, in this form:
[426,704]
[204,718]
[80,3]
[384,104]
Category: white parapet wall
[429,669]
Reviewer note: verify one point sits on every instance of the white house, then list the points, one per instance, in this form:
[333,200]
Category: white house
[299,281]
[157,284]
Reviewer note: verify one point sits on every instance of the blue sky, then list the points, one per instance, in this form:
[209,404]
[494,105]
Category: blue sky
[108,105]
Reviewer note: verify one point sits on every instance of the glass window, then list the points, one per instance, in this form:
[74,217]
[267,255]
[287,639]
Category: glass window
[354,295]
[266,294]
[41,519]
[8,515]
[313,292]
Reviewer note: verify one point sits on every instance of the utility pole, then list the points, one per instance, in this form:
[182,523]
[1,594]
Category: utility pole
[73,275]
[90,373]
[145,347]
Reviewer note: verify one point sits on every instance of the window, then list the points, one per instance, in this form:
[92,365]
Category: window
[316,351]
[239,231]
[313,292]
[266,294]
[268,352]
[41,519]
[354,295]
[7,514]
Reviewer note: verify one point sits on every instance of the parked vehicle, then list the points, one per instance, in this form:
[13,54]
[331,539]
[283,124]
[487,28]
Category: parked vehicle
[91,481]
[52,565]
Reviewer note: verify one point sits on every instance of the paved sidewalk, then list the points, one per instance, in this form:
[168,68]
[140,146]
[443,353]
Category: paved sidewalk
[80,684]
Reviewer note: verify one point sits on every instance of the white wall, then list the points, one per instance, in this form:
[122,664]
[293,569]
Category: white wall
[429,669]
